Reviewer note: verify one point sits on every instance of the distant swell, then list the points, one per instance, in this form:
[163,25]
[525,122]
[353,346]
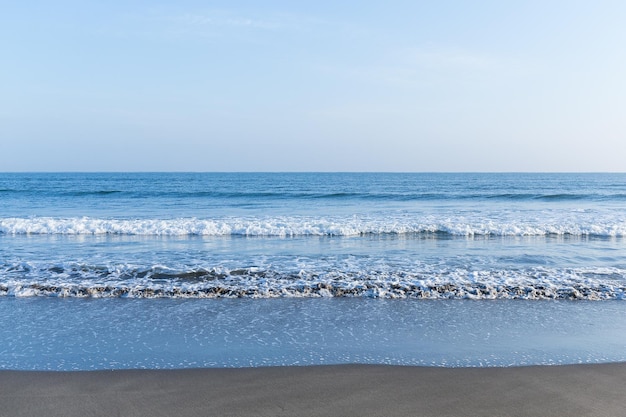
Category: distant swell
[95,193]
[303,226]
[354,196]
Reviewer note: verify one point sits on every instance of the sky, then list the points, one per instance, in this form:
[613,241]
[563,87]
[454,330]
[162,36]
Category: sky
[313,85]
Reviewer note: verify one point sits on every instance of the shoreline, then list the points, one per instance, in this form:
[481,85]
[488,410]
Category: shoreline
[341,390]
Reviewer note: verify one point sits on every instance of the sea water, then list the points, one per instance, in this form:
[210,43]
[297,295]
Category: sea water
[172,270]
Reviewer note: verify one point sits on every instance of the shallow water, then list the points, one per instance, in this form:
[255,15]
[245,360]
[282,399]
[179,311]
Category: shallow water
[67,334]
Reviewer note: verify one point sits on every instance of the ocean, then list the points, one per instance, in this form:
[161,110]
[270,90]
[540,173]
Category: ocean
[182,270]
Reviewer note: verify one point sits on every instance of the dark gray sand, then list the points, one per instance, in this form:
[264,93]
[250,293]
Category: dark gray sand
[345,390]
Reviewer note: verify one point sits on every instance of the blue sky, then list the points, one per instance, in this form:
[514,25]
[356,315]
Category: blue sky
[313,86]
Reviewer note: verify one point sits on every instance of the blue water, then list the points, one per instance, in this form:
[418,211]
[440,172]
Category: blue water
[132,270]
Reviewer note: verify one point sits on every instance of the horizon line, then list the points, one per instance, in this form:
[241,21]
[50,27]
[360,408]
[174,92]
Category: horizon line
[307,172]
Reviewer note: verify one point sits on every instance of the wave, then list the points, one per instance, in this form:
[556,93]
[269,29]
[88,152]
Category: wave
[338,195]
[548,197]
[122,281]
[304,226]
[92,193]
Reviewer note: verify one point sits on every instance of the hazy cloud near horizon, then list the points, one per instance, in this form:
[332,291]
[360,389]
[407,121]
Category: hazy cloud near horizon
[320,86]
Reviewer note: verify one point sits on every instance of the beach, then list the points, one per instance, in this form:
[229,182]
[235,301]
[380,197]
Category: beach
[228,294]
[341,390]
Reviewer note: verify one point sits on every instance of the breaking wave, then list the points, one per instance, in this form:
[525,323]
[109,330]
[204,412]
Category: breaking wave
[127,281]
[302,226]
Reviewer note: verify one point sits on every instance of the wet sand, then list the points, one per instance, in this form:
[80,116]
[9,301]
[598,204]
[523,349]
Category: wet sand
[344,390]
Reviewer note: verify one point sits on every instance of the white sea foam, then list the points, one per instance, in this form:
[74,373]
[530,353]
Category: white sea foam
[425,282]
[581,225]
